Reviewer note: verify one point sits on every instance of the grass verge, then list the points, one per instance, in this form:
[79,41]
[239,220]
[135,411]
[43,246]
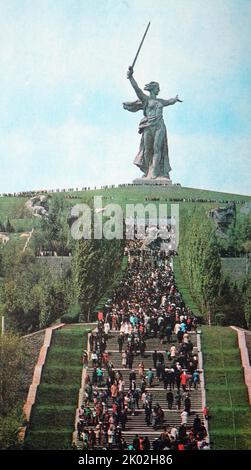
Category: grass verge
[53,415]
[226,392]
[185,292]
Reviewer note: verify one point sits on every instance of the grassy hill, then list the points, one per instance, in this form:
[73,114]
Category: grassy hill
[53,415]
[22,220]
[186,197]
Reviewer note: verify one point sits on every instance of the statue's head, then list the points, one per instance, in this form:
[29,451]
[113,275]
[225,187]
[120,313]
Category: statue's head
[152,86]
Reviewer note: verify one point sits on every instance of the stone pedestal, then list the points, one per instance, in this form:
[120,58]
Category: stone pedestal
[153,182]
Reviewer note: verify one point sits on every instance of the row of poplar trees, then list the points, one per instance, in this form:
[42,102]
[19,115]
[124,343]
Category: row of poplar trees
[218,298]
[94,265]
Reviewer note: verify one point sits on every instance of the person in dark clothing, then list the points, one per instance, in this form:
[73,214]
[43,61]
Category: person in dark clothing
[160,358]
[169,399]
[196,424]
[180,336]
[182,432]
[132,377]
[136,396]
[91,439]
[148,414]
[157,444]
[130,359]
[177,379]
[79,428]
[142,348]
[94,376]
[202,433]
[91,342]
[122,419]
[155,358]
[187,404]
[168,333]
[146,443]
[135,443]
[143,385]
[155,328]
[120,342]
[165,379]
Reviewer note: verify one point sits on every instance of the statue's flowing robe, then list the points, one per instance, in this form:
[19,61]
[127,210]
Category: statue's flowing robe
[164,164]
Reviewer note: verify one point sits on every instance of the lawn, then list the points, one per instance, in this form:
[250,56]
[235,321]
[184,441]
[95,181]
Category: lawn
[53,415]
[11,207]
[226,392]
[138,193]
[185,292]
[14,207]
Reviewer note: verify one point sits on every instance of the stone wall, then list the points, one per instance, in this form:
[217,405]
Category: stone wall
[235,268]
[244,358]
[58,265]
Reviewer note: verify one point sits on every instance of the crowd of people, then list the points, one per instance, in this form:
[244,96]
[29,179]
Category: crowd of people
[58,190]
[194,199]
[147,304]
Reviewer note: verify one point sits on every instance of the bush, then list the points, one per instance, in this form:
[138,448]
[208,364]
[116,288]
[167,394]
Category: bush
[72,314]
[118,278]
[48,440]
[9,426]
[220,319]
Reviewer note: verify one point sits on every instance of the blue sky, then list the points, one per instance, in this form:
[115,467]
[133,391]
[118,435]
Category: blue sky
[63,78]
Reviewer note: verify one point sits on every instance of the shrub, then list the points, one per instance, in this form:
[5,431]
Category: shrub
[72,314]
[220,319]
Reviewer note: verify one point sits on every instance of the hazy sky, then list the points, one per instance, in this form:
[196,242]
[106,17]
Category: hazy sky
[63,80]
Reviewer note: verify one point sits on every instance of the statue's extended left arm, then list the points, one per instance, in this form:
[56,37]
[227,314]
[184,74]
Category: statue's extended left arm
[171,101]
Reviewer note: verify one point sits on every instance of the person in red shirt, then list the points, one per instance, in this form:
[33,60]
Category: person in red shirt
[100,316]
[181,446]
[141,441]
[183,379]
[206,412]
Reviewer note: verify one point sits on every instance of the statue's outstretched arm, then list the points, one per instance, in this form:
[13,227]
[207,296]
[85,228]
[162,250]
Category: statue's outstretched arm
[135,86]
[171,101]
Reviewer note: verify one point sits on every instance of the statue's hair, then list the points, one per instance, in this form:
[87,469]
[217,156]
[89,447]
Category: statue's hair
[151,85]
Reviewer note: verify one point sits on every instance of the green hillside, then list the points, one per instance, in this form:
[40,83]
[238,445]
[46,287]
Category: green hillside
[53,415]
[14,207]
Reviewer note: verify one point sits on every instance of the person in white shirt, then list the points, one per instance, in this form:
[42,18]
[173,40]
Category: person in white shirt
[174,433]
[106,328]
[173,351]
[184,417]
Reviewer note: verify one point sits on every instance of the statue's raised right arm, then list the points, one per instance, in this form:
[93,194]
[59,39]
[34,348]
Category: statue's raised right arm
[140,94]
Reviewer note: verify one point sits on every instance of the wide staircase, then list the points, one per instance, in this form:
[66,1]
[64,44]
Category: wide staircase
[136,422]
